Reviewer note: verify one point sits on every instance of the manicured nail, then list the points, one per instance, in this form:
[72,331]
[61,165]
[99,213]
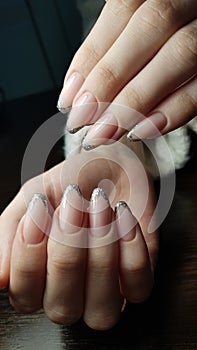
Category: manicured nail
[126,223]
[100,213]
[69,91]
[82,112]
[149,128]
[71,209]
[101,131]
[36,219]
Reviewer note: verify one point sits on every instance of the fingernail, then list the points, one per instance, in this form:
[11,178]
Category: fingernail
[36,219]
[100,213]
[149,128]
[82,112]
[69,91]
[101,131]
[126,223]
[71,209]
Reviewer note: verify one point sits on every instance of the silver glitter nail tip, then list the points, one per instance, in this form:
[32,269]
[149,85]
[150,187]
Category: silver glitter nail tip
[74,130]
[97,193]
[38,197]
[131,137]
[88,147]
[71,187]
[121,204]
[63,110]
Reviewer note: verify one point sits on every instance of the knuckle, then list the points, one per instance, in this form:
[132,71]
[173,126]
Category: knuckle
[121,7]
[133,98]
[138,267]
[66,264]
[103,267]
[86,57]
[192,101]
[101,321]
[62,316]
[108,76]
[22,307]
[25,272]
[187,43]
[91,52]
[160,14]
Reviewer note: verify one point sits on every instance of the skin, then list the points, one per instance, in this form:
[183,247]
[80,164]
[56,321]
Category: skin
[142,55]
[73,282]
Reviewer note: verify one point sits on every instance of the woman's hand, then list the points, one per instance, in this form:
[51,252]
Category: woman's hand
[140,54]
[79,258]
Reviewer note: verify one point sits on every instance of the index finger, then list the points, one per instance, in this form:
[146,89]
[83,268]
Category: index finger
[113,19]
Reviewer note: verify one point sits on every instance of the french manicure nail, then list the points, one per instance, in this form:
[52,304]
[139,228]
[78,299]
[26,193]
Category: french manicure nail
[149,128]
[101,131]
[36,219]
[71,209]
[126,223]
[100,213]
[69,91]
[82,112]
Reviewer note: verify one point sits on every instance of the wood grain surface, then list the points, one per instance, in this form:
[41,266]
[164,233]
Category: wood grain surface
[168,320]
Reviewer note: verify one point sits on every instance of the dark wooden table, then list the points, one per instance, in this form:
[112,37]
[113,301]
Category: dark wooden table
[168,320]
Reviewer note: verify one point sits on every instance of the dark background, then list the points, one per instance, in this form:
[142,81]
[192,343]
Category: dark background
[37,42]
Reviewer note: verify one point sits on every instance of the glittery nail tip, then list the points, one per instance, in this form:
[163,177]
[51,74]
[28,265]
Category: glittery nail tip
[97,193]
[63,110]
[71,187]
[131,137]
[74,130]
[38,197]
[88,147]
[121,204]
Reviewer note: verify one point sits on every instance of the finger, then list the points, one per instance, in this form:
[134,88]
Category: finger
[11,217]
[110,24]
[135,271]
[119,65]
[146,199]
[186,100]
[64,293]
[103,300]
[28,260]
[174,64]
[9,220]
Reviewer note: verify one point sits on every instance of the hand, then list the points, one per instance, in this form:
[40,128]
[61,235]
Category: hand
[140,54]
[50,270]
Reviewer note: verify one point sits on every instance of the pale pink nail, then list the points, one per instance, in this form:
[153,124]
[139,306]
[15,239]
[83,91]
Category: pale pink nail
[126,223]
[149,128]
[102,131]
[82,112]
[36,220]
[69,91]
[71,209]
[100,213]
